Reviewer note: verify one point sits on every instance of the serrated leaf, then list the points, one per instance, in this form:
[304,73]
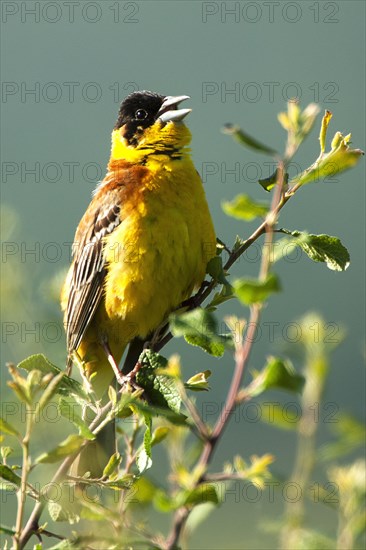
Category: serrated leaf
[244,208]
[325,248]
[40,362]
[69,446]
[251,291]
[245,139]
[69,409]
[162,390]
[200,328]
[9,475]
[319,248]
[216,349]
[7,428]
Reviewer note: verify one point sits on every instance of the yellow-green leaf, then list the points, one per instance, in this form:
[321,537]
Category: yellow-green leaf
[244,208]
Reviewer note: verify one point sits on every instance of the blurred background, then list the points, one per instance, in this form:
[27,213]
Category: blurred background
[65,69]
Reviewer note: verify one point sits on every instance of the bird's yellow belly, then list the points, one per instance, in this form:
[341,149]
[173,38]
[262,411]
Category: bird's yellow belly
[153,265]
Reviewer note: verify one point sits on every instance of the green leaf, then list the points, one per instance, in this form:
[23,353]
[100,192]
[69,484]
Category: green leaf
[144,461]
[9,475]
[215,269]
[7,428]
[6,452]
[323,130]
[7,530]
[69,409]
[298,124]
[50,390]
[113,463]
[163,502]
[175,418]
[323,248]
[245,139]
[216,349]
[124,482]
[199,328]
[69,446]
[198,382]
[270,182]
[67,385]
[276,374]
[202,494]
[351,435]
[251,291]
[199,514]
[275,415]
[340,158]
[159,435]
[162,389]
[244,208]
[225,294]
[64,510]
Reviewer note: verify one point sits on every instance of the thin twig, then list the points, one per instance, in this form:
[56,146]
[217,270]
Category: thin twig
[242,355]
[22,491]
[205,290]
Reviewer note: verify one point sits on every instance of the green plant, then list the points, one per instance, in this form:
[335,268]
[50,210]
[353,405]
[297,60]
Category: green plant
[161,405]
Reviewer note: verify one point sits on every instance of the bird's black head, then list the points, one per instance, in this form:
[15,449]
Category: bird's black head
[137,112]
[141,110]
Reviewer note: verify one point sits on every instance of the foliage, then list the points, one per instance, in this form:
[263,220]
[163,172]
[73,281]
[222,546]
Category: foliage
[159,409]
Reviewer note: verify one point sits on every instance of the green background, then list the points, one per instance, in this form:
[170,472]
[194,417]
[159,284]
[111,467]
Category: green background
[267,52]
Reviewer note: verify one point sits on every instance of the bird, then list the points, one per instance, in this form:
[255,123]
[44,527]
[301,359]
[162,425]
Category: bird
[140,249]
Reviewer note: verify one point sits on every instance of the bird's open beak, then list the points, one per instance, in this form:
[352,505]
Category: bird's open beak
[169,112]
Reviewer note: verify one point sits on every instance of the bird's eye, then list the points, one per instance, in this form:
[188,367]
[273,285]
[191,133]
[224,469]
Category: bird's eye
[140,114]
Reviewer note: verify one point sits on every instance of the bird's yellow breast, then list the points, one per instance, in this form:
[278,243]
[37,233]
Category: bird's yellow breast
[159,252]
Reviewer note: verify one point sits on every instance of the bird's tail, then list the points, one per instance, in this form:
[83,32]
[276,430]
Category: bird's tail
[95,456]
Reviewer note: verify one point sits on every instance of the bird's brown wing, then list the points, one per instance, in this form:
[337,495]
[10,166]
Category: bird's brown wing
[88,270]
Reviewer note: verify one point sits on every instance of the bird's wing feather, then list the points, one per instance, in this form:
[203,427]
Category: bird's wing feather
[88,270]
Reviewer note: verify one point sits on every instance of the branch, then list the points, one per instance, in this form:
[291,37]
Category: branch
[242,352]
[241,360]
[32,526]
